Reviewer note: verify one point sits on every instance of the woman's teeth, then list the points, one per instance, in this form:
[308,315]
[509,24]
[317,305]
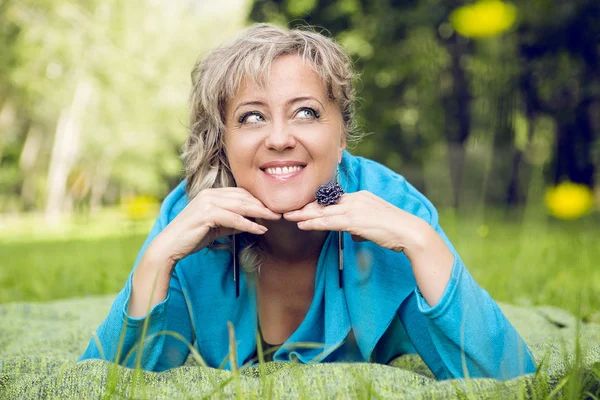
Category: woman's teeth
[283,171]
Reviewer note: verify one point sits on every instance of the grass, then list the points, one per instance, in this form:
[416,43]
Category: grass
[539,261]
[517,261]
[46,270]
[79,257]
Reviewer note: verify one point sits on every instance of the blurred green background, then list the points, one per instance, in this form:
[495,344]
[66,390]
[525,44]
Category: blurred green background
[491,108]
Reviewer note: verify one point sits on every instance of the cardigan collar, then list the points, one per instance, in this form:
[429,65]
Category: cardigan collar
[376,281]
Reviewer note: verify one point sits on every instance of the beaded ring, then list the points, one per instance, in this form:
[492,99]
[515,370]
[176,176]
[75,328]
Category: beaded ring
[329,194]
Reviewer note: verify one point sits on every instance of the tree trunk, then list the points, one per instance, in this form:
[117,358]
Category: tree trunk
[513,195]
[99,185]
[64,151]
[27,160]
[7,118]
[531,103]
[458,122]
[574,146]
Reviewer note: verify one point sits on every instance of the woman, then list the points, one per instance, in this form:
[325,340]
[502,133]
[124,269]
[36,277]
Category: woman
[368,274]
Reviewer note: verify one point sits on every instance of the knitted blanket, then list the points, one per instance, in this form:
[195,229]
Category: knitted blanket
[40,344]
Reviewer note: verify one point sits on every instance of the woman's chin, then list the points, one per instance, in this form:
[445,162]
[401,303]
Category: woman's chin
[283,205]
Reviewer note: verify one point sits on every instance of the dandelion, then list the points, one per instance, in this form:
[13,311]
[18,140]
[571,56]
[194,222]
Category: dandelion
[139,207]
[569,200]
[483,19]
[483,231]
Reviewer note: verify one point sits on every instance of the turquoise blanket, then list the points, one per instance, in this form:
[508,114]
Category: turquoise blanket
[40,343]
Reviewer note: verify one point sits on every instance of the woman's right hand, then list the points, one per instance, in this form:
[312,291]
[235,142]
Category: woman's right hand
[212,214]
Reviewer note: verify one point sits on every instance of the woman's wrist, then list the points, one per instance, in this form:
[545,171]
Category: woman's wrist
[426,244]
[419,239]
[432,262]
[423,238]
[158,258]
[150,282]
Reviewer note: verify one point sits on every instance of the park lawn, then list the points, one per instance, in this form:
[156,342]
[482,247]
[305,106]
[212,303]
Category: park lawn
[46,270]
[543,262]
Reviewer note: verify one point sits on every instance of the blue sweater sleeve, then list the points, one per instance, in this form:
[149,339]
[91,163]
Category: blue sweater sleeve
[465,333]
[118,337]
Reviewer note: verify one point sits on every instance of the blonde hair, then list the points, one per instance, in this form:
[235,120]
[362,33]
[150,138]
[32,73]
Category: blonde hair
[216,78]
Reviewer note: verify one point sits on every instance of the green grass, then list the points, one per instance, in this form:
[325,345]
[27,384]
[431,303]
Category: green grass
[46,270]
[518,260]
[80,256]
[532,262]
[529,263]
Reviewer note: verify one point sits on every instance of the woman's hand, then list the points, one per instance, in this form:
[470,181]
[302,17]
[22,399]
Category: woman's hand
[368,217]
[212,214]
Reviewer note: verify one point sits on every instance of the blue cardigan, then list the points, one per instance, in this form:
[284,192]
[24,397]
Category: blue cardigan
[378,315]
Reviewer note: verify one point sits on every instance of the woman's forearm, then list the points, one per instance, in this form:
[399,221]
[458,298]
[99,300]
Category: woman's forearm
[432,263]
[150,282]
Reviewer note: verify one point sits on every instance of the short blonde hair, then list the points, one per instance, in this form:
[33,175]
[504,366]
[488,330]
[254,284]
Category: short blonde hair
[217,77]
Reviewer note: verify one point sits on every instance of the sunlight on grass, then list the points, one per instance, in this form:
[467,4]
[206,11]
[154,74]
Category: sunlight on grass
[536,262]
[531,260]
[109,222]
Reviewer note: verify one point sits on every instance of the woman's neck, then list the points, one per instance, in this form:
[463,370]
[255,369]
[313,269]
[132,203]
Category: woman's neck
[287,244]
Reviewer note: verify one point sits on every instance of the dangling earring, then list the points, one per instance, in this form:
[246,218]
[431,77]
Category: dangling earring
[340,244]
[327,195]
[340,258]
[236,267]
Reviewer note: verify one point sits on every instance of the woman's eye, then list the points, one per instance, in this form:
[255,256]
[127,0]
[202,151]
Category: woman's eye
[307,113]
[251,118]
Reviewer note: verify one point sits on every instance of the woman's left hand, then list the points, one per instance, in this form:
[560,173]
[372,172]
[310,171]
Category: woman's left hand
[366,217]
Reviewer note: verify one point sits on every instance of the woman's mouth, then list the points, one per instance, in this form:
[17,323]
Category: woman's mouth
[283,170]
[283,173]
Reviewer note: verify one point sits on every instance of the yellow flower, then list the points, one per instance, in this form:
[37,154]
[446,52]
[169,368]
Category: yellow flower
[140,207]
[483,230]
[483,19]
[569,200]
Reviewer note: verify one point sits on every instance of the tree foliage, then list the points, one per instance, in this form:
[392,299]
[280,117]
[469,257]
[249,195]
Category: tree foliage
[93,93]
[494,104]
[97,91]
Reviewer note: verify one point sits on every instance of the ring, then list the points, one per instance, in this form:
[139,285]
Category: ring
[329,194]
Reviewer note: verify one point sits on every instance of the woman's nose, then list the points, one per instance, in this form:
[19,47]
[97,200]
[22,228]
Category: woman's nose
[280,138]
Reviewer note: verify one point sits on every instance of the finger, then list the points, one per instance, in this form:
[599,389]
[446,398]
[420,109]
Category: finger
[246,206]
[246,200]
[230,192]
[328,223]
[228,219]
[315,210]
[311,211]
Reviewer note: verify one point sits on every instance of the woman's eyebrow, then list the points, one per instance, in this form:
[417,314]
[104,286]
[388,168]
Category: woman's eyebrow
[288,103]
[249,103]
[303,98]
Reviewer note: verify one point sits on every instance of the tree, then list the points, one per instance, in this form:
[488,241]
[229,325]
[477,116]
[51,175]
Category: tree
[558,49]
[487,100]
[93,96]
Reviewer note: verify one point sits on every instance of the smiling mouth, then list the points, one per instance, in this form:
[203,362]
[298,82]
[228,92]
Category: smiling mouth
[282,171]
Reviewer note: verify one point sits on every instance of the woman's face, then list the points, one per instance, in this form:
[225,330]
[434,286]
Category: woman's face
[286,139]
